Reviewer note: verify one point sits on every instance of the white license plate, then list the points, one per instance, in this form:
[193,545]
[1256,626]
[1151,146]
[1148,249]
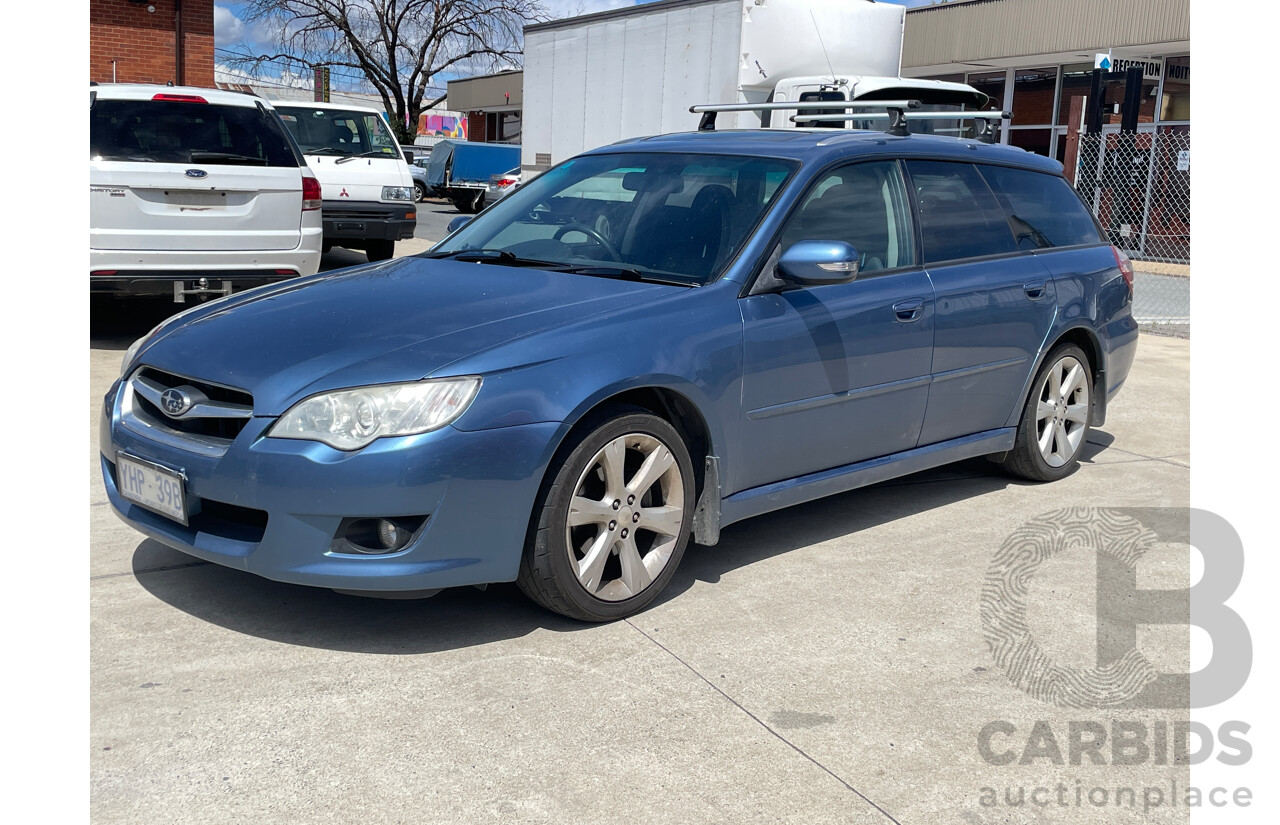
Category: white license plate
[152,486]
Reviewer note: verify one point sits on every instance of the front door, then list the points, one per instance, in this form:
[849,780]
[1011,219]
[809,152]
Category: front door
[839,373]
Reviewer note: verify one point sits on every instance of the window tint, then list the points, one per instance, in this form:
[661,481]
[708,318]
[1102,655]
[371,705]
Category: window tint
[170,132]
[864,205]
[959,217]
[1043,210]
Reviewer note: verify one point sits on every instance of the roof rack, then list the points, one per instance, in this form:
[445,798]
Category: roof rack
[984,122]
[895,112]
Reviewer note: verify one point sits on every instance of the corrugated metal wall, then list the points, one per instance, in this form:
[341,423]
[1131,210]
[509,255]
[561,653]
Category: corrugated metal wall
[986,29]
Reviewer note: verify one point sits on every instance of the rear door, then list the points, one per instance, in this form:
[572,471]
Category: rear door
[188,175]
[995,302]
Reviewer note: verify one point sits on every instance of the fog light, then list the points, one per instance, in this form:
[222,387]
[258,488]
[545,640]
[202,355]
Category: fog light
[389,535]
[375,536]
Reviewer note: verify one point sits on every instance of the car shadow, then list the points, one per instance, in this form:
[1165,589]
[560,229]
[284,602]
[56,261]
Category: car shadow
[464,617]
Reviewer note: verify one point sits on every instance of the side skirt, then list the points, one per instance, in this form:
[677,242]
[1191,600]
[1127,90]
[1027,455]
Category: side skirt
[780,494]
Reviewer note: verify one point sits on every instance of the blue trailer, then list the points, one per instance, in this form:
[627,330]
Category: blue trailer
[460,170]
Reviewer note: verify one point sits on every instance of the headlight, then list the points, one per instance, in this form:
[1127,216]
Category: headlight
[351,419]
[133,351]
[397,193]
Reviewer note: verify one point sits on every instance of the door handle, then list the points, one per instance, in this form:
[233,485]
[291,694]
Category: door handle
[909,310]
[1034,290]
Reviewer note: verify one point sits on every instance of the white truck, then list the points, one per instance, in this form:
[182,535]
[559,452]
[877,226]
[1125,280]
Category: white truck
[600,78]
[368,191]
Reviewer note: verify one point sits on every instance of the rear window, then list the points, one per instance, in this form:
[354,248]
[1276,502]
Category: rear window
[1043,210]
[158,131]
[959,216]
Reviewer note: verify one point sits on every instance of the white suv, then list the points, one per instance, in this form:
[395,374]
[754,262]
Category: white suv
[195,192]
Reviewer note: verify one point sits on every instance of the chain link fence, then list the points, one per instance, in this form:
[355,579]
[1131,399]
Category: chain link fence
[1138,184]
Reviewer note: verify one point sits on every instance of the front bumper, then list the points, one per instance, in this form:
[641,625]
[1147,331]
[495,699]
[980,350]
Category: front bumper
[362,220]
[272,506]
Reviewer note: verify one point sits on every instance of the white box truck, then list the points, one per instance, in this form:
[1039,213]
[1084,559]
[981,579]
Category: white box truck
[600,78]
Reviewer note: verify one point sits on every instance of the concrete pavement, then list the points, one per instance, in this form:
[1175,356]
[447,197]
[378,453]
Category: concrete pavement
[821,664]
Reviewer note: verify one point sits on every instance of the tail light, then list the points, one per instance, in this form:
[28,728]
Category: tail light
[310,193]
[179,98]
[1126,267]
[505,182]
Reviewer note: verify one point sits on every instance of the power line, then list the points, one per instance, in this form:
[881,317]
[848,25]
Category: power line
[289,64]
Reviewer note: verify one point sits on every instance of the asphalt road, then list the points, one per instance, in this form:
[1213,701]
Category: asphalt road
[821,664]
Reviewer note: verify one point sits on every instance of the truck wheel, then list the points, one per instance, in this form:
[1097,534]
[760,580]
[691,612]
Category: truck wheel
[379,250]
[612,519]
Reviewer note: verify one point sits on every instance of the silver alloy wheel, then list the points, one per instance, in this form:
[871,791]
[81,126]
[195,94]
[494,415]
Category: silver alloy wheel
[621,531]
[1062,414]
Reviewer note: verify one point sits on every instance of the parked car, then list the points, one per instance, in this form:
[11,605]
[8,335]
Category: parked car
[369,190]
[502,185]
[419,173]
[195,193]
[644,344]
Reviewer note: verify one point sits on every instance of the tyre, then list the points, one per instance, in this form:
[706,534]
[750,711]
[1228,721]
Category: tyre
[1055,423]
[612,520]
[379,250]
[420,191]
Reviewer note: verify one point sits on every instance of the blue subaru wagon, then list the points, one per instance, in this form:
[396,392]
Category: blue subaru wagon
[644,344]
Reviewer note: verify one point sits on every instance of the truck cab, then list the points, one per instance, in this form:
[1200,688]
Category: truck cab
[364,174]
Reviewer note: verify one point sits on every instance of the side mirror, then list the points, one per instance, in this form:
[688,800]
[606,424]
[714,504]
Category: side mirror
[408,156]
[459,222]
[814,263]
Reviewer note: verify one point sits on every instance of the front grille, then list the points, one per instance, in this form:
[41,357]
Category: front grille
[365,214]
[219,413]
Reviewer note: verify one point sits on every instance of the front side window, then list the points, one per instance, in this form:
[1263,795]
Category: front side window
[158,131]
[959,217]
[864,205]
[1043,210]
[676,217]
[339,133]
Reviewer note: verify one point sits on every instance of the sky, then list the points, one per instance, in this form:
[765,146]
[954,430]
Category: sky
[231,33]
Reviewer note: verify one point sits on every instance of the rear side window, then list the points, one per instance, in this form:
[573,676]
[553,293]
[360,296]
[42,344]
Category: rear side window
[1043,210]
[179,132]
[959,216]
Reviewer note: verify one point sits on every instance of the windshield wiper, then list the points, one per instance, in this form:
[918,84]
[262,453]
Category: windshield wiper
[325,150]
[225,157]
[492,256]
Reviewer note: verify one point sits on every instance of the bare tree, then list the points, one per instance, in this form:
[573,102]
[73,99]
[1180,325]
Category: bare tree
[399,45]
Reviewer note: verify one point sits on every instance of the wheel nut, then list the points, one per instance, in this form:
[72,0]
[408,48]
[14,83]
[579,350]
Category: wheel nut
[635,517]
[616,504]
[613,525]
[624,532]
[631,499]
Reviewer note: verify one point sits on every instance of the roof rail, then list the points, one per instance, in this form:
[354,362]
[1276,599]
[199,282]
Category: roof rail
[710,110]
[983,121]
[894,112]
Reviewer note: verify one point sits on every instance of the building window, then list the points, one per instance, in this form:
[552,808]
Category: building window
[1033,96]
[1075,83]
[502,127]
[1033,140]
[1176,101]
[992,85]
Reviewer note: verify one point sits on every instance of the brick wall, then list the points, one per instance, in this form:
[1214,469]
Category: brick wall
[142,43]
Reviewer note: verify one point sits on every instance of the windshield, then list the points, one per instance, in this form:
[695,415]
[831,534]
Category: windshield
[338,132]
[671,217]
